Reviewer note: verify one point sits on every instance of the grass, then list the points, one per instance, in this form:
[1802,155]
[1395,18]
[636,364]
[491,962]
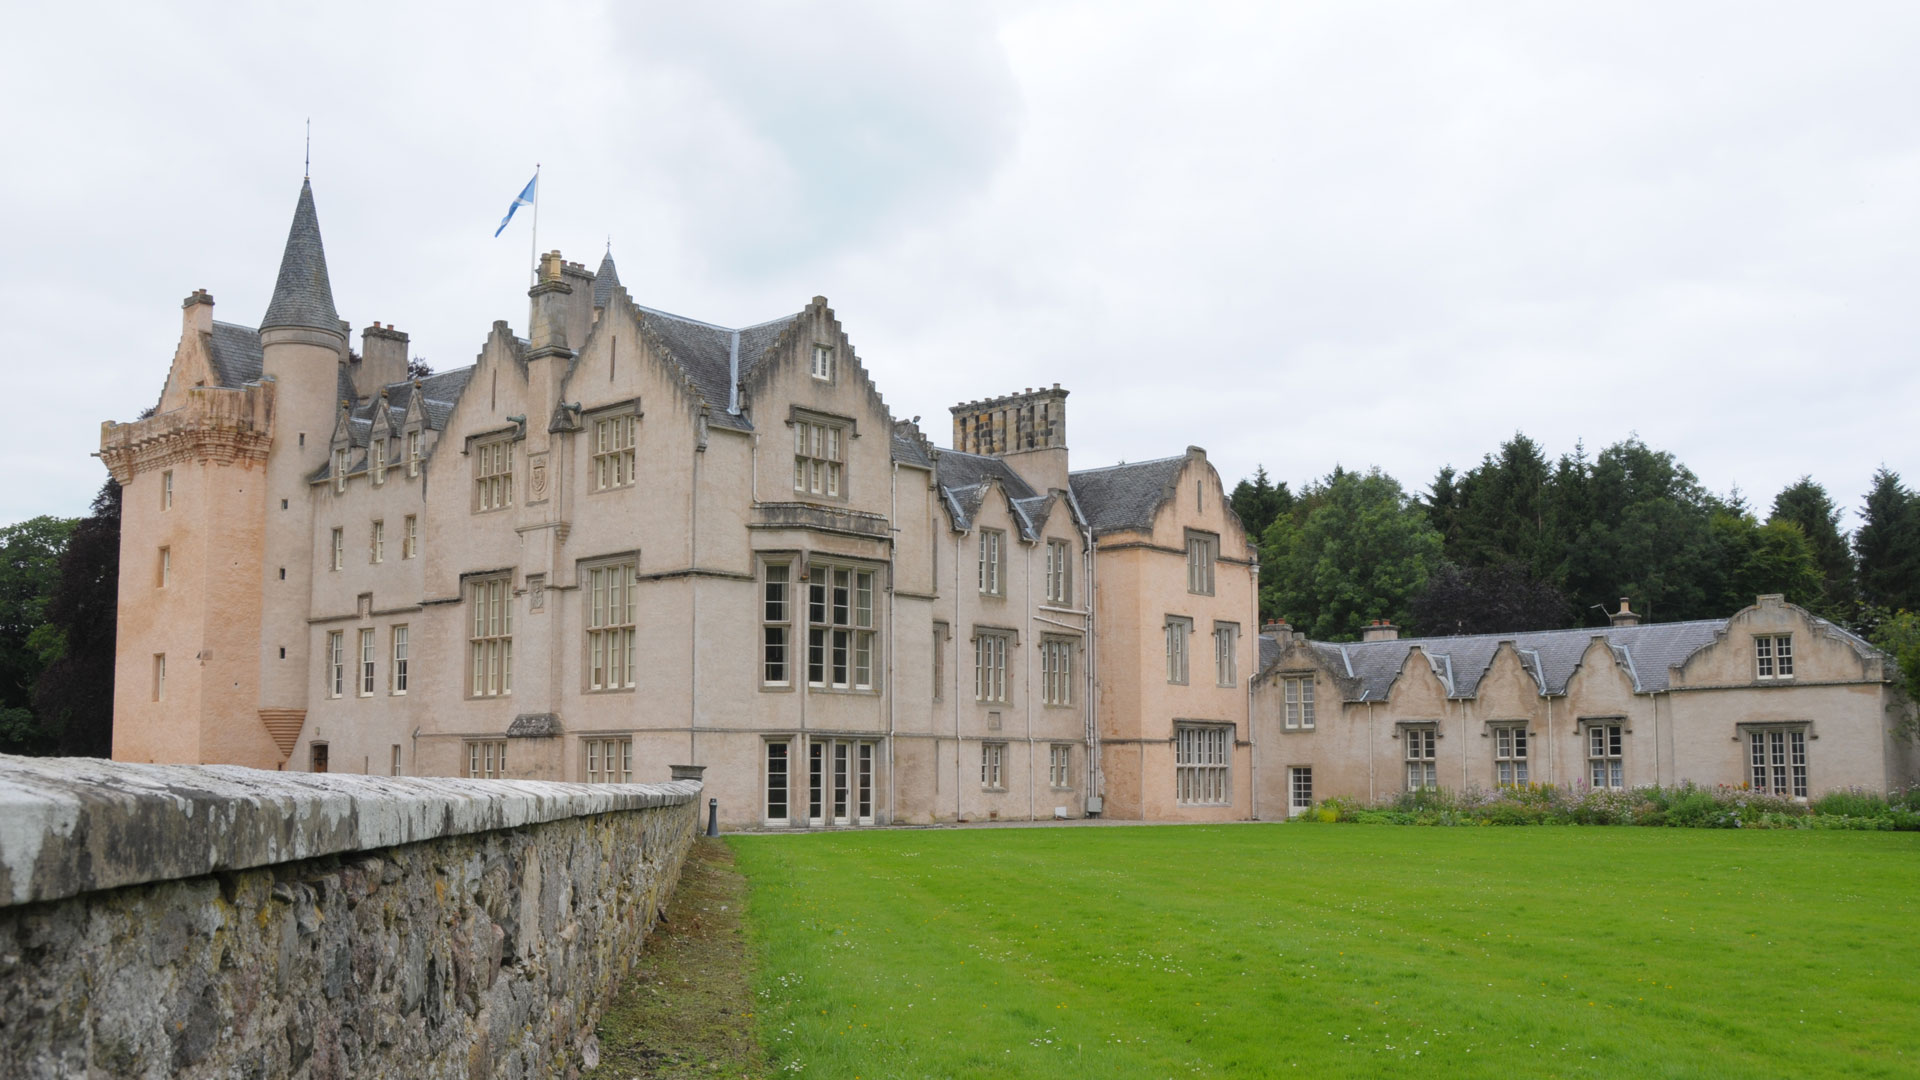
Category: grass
[1277,950]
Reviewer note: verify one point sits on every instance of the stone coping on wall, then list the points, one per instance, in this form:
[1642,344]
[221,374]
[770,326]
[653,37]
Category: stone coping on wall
[75,825]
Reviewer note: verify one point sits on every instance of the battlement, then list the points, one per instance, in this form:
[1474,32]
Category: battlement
[1014,423]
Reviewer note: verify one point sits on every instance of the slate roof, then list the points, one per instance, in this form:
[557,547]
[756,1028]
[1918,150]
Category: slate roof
[714,357]
[303,295]
[438,393]
[1269,650]
[235,354]
[909,448]
[963,478]
[1648,652]
[605,280]
[1125,497]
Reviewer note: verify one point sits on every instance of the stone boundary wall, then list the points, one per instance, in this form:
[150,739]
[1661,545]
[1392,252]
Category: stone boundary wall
[218,921]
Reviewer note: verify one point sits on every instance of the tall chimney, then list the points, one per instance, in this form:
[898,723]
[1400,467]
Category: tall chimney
[383,359]
[1625,616]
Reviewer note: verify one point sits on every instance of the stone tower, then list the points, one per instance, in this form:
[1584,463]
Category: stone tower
[1028,429]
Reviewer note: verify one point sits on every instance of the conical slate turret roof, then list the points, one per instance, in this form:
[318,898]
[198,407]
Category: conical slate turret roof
[605,280]
[303,296]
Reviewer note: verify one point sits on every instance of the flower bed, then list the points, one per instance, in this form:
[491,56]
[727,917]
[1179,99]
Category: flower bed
[1684,806]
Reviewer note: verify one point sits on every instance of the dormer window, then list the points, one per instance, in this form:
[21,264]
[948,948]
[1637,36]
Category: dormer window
[377,462]
[340,469]
[413,453]
[823,363]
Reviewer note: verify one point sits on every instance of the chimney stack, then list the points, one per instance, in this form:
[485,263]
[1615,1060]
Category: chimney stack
[1380,630]
[1029,429]
[197,317]
[1625,616]
[383,359]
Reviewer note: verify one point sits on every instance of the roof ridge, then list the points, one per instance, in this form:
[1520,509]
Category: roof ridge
[1128,464]
[713,325]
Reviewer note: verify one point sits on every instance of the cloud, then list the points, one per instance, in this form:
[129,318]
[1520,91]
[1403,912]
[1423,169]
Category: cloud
[1296,234]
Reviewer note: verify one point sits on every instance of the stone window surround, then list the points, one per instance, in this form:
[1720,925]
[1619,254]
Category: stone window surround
[1773,657]
[1202,574]
[1583,727]
[790,743]
[1059,569]
[1226,662]
[1404,729]
[1203,778]
[582,575]
[468,581]
[1179,633]
[1012,637]
[1744,732]
[588,418]
[485,440]
[1063,769]
[990,563]
[596,759]
[849,428]
[1522,750]
[1074,646]
[993,766]
[1289,725]
[794,561]
[800,646]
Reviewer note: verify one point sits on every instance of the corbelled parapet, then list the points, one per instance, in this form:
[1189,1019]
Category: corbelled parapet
[217,424]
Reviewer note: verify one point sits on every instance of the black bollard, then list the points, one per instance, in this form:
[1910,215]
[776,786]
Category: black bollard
[713,817]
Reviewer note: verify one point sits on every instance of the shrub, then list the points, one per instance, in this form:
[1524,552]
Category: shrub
[1685,806]
[1853,802]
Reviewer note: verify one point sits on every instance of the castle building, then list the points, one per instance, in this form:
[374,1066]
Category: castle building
[1771,698]
[630,538]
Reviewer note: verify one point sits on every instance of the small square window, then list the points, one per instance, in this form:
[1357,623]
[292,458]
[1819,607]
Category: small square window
[823,363]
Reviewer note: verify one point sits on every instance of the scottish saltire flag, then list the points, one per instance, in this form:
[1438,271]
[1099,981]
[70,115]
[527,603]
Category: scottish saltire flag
[525,198]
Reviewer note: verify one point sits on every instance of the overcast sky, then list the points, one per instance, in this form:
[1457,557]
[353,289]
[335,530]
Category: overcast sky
[1294,234]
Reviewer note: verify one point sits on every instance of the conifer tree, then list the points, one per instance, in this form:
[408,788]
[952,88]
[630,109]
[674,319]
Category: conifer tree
[1888,545]
[1806,504]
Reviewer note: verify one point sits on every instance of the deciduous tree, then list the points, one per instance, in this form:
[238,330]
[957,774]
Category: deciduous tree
[1360,553]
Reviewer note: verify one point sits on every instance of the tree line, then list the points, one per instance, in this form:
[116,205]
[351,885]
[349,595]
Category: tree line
[59,597]
[1523,542]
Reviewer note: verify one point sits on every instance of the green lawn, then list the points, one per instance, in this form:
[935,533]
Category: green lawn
[1280,950]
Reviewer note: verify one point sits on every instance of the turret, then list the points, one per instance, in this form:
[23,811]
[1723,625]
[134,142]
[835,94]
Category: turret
[304,351]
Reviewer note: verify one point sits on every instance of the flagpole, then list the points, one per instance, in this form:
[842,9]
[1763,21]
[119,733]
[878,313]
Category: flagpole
[533,242]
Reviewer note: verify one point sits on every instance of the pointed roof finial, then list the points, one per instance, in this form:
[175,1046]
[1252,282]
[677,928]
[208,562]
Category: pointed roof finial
[303,295]
[306,168]
[605,279]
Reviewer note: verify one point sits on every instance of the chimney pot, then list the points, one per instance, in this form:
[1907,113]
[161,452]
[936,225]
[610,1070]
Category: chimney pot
[1625,616]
